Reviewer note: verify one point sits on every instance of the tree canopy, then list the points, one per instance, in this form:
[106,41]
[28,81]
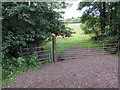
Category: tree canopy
[101,19]
[30,23]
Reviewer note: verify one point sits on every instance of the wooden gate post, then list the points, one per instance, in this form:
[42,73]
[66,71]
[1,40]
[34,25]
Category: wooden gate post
[54,58]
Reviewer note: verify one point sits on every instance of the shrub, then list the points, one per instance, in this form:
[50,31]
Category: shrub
[12,66]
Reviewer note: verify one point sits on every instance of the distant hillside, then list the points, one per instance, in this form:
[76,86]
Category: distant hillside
[73,20]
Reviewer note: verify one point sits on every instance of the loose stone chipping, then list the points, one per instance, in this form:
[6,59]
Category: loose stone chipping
[99,71]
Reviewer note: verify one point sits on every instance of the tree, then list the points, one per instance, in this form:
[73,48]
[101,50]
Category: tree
[30,23]
[107,17]
[107,23]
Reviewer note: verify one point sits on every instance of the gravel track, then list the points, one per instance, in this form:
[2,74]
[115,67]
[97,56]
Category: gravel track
[93,69]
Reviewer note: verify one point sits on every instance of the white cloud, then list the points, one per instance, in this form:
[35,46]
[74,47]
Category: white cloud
[72,11]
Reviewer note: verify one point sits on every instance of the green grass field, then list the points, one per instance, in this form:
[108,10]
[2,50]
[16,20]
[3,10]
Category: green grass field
[75,40]
[77,37]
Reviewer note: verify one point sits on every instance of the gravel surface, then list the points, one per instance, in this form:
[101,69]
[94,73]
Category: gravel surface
[86,68]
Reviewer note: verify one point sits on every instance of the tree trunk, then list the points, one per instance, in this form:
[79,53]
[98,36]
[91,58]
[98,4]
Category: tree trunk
[102,10]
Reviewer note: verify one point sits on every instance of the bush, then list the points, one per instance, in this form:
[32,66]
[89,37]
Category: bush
[12,66]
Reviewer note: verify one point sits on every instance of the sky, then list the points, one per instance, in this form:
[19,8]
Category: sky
[72,10]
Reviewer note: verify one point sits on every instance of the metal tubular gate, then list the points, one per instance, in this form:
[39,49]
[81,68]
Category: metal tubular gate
[62,51]
[43,52]
[68,49]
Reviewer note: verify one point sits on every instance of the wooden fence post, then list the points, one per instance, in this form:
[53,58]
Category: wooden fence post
[54,58]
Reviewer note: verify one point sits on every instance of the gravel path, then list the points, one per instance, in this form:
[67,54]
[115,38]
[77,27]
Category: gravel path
[93,69]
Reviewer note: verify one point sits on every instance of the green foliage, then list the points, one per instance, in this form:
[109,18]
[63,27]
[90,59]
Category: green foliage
[46,61]
[25,24]
[12,65]
[101,19]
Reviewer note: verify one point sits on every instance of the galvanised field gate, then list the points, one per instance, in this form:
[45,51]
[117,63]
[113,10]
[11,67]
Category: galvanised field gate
[92,48]
[62,51]
[42,52]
